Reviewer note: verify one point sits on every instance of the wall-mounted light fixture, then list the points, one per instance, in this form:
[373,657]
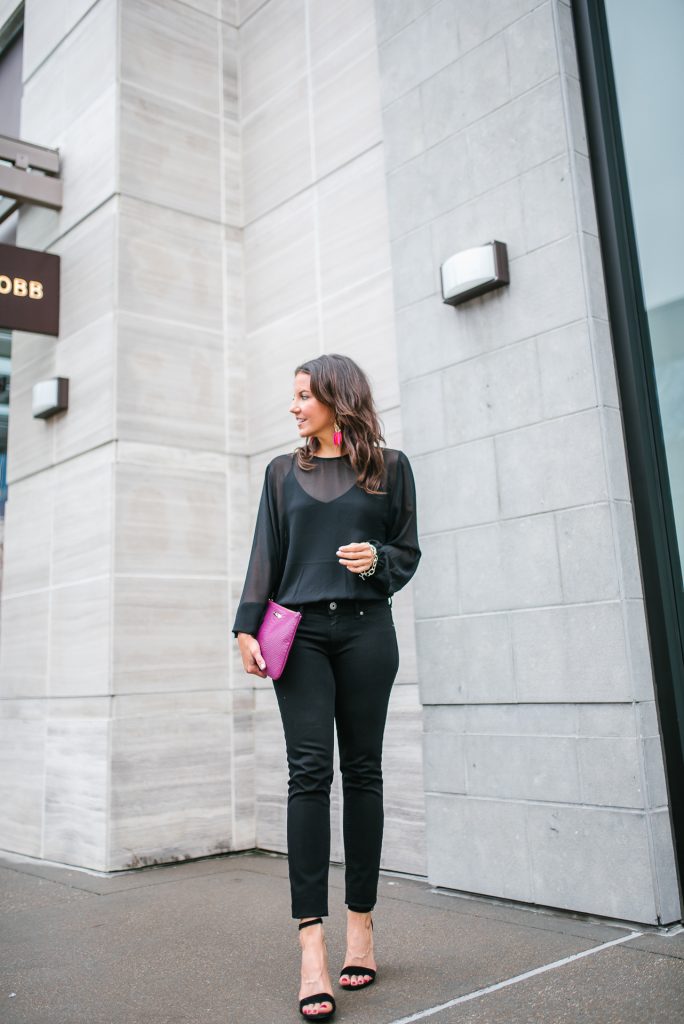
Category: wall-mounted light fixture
[474,272]
[49,397]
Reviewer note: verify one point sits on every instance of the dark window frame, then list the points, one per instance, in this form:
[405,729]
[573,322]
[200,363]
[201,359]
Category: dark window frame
[646,456]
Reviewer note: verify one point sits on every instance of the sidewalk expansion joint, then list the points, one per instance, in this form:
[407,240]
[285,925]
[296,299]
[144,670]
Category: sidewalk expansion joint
[421,1014]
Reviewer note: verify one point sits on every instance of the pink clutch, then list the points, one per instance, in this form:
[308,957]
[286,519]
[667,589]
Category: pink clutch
[275,636]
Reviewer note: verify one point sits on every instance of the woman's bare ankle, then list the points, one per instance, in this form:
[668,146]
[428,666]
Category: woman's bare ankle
[355,917]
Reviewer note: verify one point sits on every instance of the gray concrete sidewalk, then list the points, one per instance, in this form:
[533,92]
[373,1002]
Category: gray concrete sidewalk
[212,942]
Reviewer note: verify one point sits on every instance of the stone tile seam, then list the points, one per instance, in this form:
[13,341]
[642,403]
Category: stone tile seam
[240,175]
[62,40]
[418,86]
[469,124]
[479,905]
[486,39]
[218,222]
[205,14]
[138,455]
[514,979]
[621,809]
[49,241]
[520,518]
[542,915]
[525,339]
[309,306]
[382,43]
[50,587]
[120,194]
[136,314]
[130,452]
[278,207]
[52,503]
[111,664]
[466,734]
[571,128]
[523,735]
[315,194]
[563,154]
[192,9]
[467,127]
[148,91]
[253,14]
[117,718]
[522,611]
[116,259]
[163,711]
[533,703]
[438,452]
[512,180]
[617,808]
[308,76]
[221,691]
[573,152]
[228,491]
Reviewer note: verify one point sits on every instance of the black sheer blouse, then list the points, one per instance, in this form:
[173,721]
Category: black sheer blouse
[304,516]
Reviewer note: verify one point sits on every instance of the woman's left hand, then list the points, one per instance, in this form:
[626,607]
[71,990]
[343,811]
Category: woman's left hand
[356,557]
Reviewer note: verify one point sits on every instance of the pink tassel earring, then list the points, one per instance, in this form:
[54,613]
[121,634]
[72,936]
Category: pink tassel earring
[337,435]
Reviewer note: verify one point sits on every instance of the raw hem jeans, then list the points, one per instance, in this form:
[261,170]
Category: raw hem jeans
[341,668]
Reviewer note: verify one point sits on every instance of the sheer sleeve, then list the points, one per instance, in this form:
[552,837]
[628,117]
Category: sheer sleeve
[264,567]
[399,555]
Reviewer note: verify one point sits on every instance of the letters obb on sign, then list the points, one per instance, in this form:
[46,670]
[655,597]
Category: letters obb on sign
[29,290]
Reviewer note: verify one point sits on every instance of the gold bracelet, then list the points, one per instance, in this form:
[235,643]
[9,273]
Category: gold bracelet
[371,570]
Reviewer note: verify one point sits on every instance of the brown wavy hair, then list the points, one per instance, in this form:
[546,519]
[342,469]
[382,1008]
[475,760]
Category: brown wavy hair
[341,384]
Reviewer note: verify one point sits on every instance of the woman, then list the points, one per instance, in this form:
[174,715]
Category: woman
[335,537]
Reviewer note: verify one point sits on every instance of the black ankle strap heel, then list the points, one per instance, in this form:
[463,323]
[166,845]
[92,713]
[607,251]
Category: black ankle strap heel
[320,997]
[357,972]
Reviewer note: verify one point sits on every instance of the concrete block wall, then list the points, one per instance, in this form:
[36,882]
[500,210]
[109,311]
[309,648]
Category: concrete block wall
[317,278]
[246,188]
[543,766]
[225,217]
[56,598]
[119,724]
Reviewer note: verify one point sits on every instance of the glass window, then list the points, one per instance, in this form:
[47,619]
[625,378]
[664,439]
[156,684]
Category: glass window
[647,43]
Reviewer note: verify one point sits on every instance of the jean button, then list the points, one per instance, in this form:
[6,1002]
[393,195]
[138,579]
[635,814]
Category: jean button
[333,604]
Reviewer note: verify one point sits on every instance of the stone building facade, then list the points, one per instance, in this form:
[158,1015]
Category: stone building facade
[245,186]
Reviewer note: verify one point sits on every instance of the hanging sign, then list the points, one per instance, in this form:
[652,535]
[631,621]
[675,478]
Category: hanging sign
[29,290]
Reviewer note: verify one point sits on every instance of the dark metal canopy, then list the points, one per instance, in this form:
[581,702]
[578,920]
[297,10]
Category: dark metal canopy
[28,174]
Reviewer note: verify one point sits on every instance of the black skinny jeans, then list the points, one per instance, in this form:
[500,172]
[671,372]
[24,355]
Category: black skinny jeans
[341,668]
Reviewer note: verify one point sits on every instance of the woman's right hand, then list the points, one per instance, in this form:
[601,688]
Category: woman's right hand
[251,655]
